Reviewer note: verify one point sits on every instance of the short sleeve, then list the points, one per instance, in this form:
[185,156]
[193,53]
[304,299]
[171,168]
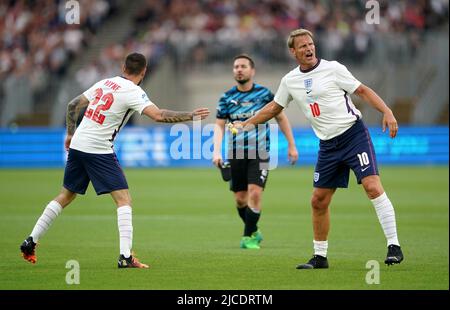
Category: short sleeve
[141,102]
[222,111]
[345,79]
[269,97]
[90,93]
[283,97]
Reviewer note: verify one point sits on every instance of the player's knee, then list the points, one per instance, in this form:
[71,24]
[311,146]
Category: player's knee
[122,201]
[255,197]
[121,198]
[255,194]
[374,193]
[318,202]
[373,190]
[241,202]
[65,198]
[241,198]
[125,201]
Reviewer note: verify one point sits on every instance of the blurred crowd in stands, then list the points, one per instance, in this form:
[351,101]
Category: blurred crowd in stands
[198,32]
[37,45]
[213,30]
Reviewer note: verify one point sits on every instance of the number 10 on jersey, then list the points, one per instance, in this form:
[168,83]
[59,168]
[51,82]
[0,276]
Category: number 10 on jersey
[315,109]
[96,115]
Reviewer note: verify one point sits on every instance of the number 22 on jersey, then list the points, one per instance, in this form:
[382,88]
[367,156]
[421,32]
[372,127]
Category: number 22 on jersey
[96,115]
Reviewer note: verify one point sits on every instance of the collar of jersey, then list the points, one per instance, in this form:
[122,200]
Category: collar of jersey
[312,68]
[248,91]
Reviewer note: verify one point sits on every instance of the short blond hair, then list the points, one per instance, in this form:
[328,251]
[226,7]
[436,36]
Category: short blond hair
[297,33]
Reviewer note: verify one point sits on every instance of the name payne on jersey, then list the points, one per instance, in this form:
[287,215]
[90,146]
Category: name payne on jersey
[112,85]
[112,102]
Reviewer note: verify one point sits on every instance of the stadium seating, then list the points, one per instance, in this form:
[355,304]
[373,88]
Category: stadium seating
[196,36]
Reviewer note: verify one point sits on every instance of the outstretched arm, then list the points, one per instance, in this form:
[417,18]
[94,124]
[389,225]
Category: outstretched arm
[168,116]
[269,111]
[368,95]
[285,127]
[73,109]
[219,130]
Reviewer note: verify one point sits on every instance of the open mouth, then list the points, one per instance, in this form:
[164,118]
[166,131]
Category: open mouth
[309,56]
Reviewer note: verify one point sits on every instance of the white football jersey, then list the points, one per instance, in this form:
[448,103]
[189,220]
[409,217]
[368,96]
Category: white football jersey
[322,93]
[111,103]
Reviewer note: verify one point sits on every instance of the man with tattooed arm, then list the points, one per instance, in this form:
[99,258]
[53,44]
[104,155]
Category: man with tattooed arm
[110,103]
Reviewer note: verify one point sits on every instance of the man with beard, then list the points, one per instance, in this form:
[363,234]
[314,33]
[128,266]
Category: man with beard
[91,156]
[248,153]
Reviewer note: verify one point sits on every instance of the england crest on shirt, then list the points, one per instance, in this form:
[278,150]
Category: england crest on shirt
[308,83]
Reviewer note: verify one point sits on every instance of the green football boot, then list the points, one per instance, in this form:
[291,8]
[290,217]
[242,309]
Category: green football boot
[249,243]
[257,235]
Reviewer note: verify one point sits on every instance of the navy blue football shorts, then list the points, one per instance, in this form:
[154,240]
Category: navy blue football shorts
[103,170]
[351,150]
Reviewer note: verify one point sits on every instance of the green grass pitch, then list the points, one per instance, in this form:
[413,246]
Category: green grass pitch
[186,227]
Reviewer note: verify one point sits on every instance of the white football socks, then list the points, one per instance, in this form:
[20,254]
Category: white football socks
[124,221]
[386,216]
[256,211]
[320,248]
[50,213]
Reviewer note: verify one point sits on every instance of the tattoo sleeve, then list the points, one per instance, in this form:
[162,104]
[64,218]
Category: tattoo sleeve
[73,109]
[168,116]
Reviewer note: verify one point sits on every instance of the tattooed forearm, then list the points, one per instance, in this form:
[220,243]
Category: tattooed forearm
[73,109]
[168,116]
[72,115]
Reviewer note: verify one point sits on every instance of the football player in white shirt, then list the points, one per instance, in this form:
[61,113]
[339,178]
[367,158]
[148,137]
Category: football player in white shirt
[321,89]
[91,158]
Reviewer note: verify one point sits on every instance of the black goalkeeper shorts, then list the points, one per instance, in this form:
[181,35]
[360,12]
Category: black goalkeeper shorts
[248,171]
